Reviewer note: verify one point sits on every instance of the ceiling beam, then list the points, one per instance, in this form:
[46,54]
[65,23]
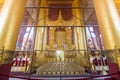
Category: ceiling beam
[59,26]
[55,7]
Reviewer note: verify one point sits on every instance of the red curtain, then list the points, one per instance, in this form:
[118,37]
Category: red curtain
[66,11]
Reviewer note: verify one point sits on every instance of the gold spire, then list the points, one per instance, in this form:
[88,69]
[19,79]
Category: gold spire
[60,16]
[60,21]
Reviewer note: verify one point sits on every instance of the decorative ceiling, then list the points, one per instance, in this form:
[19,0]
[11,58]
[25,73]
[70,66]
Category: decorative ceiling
[59,1]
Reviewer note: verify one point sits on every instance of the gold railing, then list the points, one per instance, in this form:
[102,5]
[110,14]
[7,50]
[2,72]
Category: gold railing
[113,56]
[6,56]
[38,58]
[101,59]
[1,55]
[22,61]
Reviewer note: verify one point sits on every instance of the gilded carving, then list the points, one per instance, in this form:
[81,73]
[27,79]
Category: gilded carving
[1,56]
[53,36]
[60,21]
[8,56]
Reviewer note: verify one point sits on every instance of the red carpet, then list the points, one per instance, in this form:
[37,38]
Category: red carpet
[113,68]
[5,70]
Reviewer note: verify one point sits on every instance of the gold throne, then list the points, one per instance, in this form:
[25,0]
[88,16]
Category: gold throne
[60,37]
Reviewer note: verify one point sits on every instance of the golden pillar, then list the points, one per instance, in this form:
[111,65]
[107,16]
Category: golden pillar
[45,31]
[10,19]
[80,30]
[76,38]
[44,38]
[41,22]
[40,35]
[77,14]
[109,22]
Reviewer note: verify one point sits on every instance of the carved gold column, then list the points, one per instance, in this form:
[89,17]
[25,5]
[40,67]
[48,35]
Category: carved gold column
[77,14]
[68,37]
[80,31]
[10,19]
[45,40]
[52,37]
[76,38]
[41,22]
[109,22]
[40,35]
[45,28]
